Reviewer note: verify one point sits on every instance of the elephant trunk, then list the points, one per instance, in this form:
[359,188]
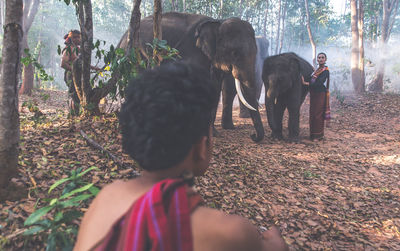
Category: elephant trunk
[250,96]
[270,101]
[247,90]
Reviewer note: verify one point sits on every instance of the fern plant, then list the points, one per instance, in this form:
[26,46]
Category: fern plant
[57,220]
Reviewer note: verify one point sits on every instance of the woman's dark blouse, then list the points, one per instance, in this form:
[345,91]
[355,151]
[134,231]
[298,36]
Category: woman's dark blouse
[318,85]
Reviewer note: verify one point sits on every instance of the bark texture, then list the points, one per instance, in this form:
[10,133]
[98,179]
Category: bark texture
[355,51]
[312,42]
[157,32]
[9,117]
[361,66]
[30,10]
[388,7]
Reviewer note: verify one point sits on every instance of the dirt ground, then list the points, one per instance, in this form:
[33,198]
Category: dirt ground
[342,193]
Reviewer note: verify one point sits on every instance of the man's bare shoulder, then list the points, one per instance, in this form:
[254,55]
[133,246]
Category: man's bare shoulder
[109,205]
[215,230]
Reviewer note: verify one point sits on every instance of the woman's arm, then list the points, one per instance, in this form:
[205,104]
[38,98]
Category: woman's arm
[65,60]
[321,78]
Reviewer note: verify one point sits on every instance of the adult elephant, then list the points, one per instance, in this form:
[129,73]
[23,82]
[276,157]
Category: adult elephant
[229,91]
[226,47]
[284,89]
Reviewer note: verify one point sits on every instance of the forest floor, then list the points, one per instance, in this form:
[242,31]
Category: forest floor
[342,193]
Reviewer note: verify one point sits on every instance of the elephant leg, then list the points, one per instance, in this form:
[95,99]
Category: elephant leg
[294,121]
[217,78]
[279,109]
[294,104]
[228,94]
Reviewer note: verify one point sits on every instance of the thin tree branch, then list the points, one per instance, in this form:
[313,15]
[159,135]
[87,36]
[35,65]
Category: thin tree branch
[99,147]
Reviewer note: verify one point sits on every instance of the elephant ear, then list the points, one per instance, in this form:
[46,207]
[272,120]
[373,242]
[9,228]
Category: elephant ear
[206,37]
[294,66]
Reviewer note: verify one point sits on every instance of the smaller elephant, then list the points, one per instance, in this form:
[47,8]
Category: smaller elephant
[284,89]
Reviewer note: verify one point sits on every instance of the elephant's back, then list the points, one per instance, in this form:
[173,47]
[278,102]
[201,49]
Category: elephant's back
[306,68]
[175,25]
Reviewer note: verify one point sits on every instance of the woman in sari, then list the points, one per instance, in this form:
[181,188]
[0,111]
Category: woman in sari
[319,98]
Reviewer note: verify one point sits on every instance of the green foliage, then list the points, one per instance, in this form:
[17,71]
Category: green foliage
[31,59]
[57,220]
[128,65]
[38,116]
[339,96]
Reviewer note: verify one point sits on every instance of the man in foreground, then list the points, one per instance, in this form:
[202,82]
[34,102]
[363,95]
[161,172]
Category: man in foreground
[166,128]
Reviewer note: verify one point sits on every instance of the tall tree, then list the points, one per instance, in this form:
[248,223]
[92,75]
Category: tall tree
[361,66]
[9,117]
[388,7]
[355,49]
[157,32]
[1,13]
[283,26]
[134,26]
[265,19]
[174,6]
[30,9]
[310,35]
[278,29]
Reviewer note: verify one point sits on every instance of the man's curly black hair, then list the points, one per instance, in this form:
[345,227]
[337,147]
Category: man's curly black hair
[166,111]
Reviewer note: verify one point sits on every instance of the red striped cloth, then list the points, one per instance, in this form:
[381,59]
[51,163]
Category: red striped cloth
[159,220]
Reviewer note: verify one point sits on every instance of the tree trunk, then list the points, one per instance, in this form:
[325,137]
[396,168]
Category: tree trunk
[89,98]
[396,5]
[221,7]
[157,32]
[271,37]
[388,6]
[184,5]
[283,27]
[173,5]
[30,10]
[265,19]
[355,52]
[133,30]
[1,13]
[361,87]
[9,117]
[314,48]
[28,72]
[278,27]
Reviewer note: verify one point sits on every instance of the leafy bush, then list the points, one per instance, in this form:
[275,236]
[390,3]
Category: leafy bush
[57,220]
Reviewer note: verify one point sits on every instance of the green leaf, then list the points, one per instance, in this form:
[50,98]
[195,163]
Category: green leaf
[53,201]
[69,216]
[78,190]
[69,187]
[59,49]
[33,230]
[51,242]
[87,170]
[59,216]
[94,190]
[73,201]
[119,51]
[35,216]
[46,223]
[59,182]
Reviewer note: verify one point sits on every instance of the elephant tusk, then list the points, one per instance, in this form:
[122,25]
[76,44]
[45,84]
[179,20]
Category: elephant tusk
[240,94]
